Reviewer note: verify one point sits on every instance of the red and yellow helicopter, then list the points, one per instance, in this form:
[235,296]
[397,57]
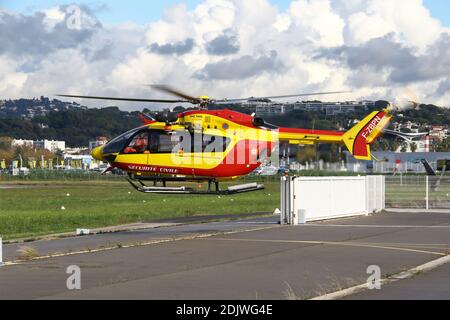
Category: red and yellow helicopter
[216,145]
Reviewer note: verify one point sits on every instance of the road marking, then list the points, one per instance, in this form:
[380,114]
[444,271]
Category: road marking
[134,245]
[256,223]
[427,267]
[373,226]
[440,246]
[345,244]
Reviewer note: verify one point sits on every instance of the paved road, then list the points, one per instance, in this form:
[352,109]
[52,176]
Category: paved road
[46,247]
[434,285]
[251,259]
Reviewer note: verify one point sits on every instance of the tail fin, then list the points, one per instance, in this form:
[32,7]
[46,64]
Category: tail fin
[360,137]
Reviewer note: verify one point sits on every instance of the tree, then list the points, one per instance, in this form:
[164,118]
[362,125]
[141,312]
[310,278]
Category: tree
[413,147]
[376,145]
[404,147]
[306,153]
[385,145]
[394,145]
[5,143]
[443,146]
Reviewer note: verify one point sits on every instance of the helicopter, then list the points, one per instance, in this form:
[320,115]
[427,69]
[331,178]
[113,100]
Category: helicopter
[213,146]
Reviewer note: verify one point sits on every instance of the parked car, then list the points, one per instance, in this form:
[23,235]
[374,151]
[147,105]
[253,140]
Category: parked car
[283,170]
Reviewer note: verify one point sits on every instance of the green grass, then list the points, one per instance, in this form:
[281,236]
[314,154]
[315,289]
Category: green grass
[33,211]
[100,202]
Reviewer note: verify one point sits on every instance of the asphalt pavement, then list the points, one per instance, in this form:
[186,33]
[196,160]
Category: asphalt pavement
[254,258]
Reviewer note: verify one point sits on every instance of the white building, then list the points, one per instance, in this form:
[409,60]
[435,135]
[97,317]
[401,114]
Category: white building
[22,143]
[81,162]
[50,145]
[77,151]
[270,109]
[101,141]
[422,145]
[331,108]
[439,132]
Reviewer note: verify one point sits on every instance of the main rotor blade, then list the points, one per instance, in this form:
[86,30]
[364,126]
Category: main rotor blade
[286,96]
[124,99]
[175,92]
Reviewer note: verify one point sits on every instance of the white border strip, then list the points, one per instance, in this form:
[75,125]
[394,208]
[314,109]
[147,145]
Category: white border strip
[397,277]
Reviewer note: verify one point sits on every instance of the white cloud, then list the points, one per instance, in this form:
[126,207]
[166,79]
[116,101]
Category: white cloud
[409,20]
[118,59]
[53,16]
[317,20]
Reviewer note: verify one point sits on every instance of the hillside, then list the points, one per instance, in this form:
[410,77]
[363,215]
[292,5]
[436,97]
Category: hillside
[76,124]
[76,127]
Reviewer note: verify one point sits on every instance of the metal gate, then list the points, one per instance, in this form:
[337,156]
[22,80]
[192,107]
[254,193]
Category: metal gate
[305,199]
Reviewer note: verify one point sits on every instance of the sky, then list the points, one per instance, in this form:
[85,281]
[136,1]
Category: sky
[119,11]
[377,49]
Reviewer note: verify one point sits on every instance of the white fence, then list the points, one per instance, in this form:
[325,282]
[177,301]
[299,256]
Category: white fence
[305,199]
[376,193]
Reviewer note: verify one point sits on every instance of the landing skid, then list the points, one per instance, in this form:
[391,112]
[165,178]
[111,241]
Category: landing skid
[250,187]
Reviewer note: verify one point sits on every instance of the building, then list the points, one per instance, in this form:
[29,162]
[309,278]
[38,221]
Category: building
[330,108]
[50,145]
[422,145]
[100,141]
[439,132]
[270,109]
[81,162]
[77,151]
[22,143]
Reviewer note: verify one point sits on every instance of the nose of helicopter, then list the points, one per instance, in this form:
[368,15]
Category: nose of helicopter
[97,153]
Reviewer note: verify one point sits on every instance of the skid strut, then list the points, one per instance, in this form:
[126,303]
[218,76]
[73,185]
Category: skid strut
[188,190]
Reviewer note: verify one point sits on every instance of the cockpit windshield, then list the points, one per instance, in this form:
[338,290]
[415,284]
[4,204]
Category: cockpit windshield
[116,145]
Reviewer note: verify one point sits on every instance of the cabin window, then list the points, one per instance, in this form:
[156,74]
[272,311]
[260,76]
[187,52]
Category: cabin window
[169,142]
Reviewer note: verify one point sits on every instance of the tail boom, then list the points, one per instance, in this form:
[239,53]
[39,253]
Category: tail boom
[308,137]
[357,140]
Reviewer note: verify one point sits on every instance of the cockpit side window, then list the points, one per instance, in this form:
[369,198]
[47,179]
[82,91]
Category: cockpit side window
[138,145]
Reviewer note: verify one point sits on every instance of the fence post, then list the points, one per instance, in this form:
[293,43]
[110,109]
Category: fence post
[285,200]
[427,193]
